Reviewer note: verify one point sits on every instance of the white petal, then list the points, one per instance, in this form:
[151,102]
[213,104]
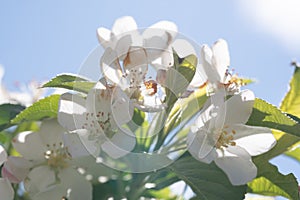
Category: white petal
[56,192]
[15,169]
[239,107]
[29,145]
[79,188]
[212,114]
[183,48]
[239,171]
[3,155]
[124,25]
[167,26]
[161,76]
[122,108]
[39,179]
[165,59]
[233,151]
[199,148]
[150,104]
[157,39]
[238,167]
[255,140]
[91,146]
[220,59]
[119,145]
[110,66]
[6,190]
[206,59]
[136,56]
[99,99]
[199,78]
[123,45]
[75,145]
[104,37]
[71,110]
[51,132]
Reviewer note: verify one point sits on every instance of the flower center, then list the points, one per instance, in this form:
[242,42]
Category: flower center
[151,87]
[225,139]
[97,122]
[57,156]
[232,82]
[136,77]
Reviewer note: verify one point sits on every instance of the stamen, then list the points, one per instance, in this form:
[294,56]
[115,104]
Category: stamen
[225,138]
[57,156]
[152,86]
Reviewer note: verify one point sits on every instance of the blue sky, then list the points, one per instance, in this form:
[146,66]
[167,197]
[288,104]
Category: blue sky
[39,39]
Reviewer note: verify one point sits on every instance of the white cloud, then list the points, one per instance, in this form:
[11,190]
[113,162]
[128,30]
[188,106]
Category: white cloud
[280,18]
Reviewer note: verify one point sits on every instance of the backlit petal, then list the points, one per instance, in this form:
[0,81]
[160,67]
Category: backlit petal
[51,132]
[120,144]
[255,140]
[238,167]
[124,25]
[76,184]
[206,60]
[6,190]
[30,145]
[3,155]
[220,58]
[15,169]
[201,147]
[39,179]
[104,37]
[110,66]
[71,110]
[238,108]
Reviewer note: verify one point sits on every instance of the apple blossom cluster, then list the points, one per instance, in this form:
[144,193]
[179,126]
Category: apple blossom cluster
[219,133]
[136,69]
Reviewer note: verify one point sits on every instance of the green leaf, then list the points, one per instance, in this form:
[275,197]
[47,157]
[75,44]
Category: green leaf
[291,105]
[295,154]
[163,178]
[186,109]
[179,77]
[44,108]
[207,181]
[105,190]
[165,194]
[267,115]
[8,112]
[291,102]
[272,183]
[71,82]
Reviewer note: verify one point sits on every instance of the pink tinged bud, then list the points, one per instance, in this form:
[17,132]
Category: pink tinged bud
[15,169]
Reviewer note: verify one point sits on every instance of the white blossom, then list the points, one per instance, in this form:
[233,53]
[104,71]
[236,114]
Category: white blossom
[51,172]
[98,120]
[216,62]
[6,190]
[220,135]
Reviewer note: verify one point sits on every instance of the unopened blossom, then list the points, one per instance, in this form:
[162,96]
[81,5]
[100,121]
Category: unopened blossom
[216,62]
[51,172]
[155,40]
[98,119]
[220,135]
[128,55]
[6,190]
